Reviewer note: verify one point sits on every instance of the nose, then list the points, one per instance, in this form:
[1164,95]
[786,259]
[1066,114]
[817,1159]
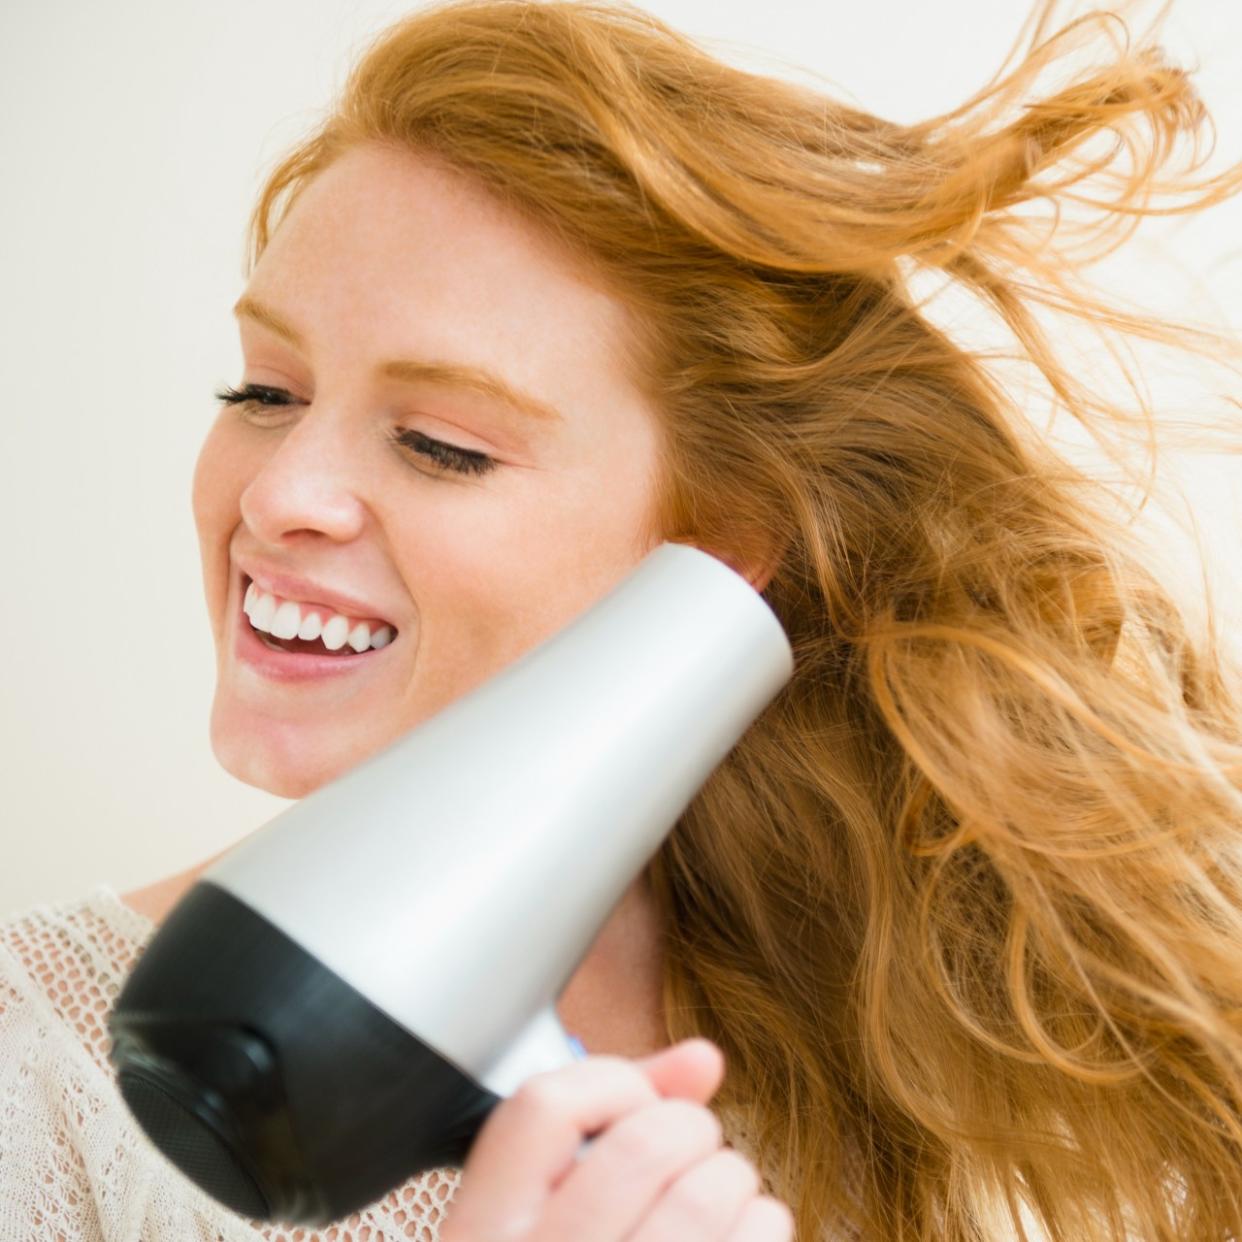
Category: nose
[306,486]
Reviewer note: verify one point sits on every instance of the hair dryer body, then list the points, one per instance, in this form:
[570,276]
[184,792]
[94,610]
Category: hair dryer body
[343,998]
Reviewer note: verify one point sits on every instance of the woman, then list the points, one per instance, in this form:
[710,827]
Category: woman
[962,909]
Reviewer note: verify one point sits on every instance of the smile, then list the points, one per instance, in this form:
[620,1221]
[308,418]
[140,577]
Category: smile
[293,626]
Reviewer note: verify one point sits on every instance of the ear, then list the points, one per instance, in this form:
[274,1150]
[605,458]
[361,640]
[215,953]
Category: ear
[757,568]
[757,575]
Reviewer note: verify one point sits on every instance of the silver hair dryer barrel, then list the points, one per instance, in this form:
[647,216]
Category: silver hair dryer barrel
[342,999]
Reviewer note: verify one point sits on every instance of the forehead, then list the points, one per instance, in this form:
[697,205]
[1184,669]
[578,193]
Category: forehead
[392,253]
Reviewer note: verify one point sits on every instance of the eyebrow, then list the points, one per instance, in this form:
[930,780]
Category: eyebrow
[415,370]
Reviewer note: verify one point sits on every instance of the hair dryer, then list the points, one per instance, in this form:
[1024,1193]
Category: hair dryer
[341,1000]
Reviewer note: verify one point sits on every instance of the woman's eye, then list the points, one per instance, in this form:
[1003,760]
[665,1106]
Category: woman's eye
[445,456]
[253,394]
[463,461]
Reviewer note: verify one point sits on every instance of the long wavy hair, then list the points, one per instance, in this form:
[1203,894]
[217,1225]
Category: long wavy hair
[963,908]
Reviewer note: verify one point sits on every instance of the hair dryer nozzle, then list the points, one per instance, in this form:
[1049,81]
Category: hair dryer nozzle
[225,1021]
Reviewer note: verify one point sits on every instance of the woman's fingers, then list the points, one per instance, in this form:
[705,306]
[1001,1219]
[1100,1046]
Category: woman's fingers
[609,1193]
[763,1219]
[527,1146]
[690,1070]
[707,1200]
[655,1171]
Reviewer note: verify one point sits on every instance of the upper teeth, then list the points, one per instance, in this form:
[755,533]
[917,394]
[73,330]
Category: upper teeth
[286,618]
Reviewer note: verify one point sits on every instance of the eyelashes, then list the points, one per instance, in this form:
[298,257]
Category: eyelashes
[463,461]
[445,456]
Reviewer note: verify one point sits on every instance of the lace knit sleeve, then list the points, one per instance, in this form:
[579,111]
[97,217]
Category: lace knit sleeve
[74,1167]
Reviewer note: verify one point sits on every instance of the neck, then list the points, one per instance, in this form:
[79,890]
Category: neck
[156,900]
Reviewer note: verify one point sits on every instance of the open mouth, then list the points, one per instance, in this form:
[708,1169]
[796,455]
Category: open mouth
[295,627]
[307,646]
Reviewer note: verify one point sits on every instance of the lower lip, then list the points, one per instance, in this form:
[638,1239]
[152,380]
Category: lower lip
[298,665]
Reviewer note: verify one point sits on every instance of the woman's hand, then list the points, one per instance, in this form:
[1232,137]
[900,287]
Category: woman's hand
[656,1171]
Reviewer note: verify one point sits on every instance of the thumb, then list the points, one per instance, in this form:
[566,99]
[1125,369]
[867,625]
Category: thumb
[692,1069]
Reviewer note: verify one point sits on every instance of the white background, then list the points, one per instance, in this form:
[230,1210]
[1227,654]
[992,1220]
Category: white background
[133,139]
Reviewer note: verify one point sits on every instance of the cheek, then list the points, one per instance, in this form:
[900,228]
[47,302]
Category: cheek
[220,474]
[219,477]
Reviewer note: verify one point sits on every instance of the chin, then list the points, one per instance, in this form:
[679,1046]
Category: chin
[276,760]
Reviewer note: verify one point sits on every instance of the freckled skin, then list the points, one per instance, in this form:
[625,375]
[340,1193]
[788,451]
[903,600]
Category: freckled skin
[389,255]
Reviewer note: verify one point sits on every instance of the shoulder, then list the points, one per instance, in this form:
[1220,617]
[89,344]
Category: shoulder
[73,1164]
[151,902]
[58,966]
[63,964]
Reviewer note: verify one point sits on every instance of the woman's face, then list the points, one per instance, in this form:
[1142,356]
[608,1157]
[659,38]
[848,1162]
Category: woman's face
[389,256]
